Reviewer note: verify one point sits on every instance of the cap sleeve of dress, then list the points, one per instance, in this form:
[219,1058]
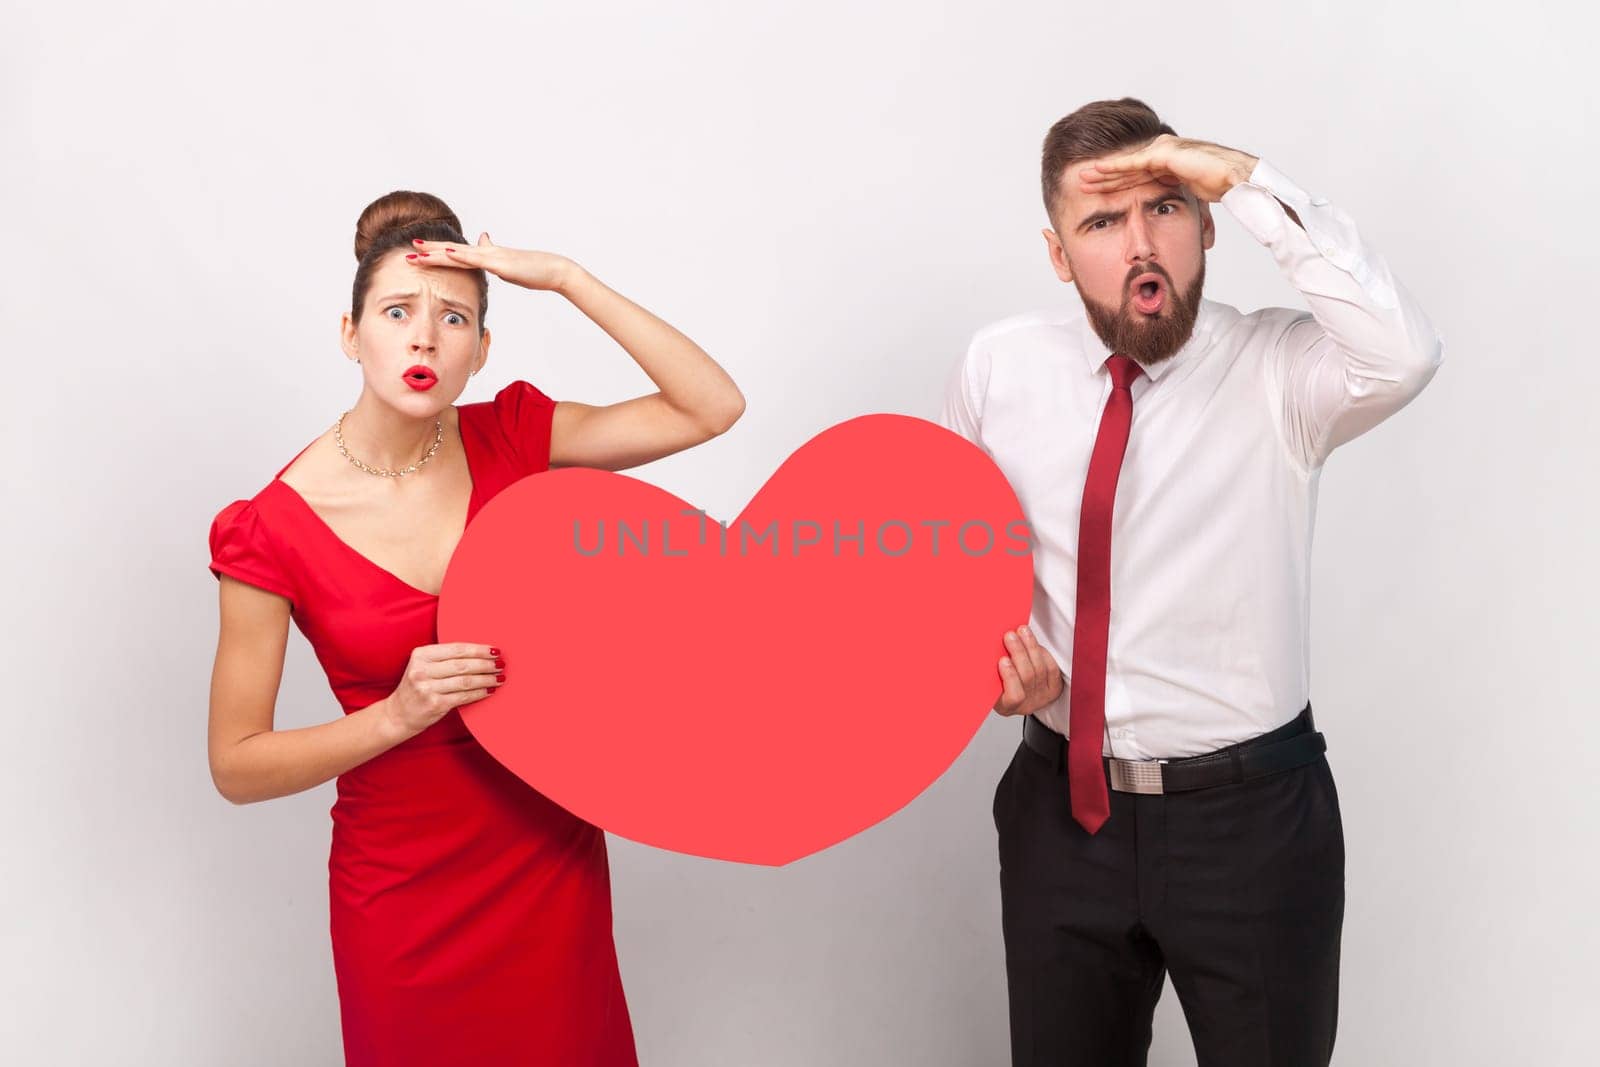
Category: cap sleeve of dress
[523,414]
[241,549]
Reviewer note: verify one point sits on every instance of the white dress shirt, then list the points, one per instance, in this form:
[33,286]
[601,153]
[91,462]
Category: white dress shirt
[1211,533]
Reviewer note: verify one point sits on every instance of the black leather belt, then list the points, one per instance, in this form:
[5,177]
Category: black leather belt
[1294,744]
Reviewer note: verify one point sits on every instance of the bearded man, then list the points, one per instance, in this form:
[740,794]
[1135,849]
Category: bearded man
[1166,450]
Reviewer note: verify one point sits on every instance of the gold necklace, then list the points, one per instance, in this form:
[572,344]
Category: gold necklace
[338,437]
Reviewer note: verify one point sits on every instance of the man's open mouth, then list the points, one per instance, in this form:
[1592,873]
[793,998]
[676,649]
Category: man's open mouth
[1149,293]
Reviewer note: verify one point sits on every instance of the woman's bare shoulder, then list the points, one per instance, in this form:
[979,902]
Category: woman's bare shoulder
[311,469]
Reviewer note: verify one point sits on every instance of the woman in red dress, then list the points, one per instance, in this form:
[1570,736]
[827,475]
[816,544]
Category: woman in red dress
[470,916]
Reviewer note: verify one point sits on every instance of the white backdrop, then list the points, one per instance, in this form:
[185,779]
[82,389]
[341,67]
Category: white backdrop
[829,198]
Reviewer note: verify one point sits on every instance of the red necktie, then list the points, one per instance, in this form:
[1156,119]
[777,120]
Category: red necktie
[1086,776]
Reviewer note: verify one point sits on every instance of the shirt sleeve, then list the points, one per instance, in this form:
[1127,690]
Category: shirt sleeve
[240,549]
[1364,350]
[962,409]
[524,415]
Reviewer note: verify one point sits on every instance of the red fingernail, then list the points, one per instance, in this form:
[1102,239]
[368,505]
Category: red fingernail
[425,255]
[416,240]
[494,652]
[412,256]
[500,677]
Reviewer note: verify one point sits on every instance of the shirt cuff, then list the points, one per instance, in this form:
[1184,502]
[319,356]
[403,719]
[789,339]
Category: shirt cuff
[1255,202]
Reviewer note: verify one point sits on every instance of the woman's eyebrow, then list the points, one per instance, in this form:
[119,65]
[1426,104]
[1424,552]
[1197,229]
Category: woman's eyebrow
[412,296]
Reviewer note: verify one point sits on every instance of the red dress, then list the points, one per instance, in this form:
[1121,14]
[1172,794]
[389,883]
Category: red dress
[471,916]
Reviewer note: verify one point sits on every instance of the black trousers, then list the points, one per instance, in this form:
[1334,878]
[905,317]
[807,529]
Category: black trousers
[1237,890]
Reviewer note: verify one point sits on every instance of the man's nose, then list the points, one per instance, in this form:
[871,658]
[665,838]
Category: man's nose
[1140,244]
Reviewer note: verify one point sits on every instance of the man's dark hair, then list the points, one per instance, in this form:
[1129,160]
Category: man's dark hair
[1094,130]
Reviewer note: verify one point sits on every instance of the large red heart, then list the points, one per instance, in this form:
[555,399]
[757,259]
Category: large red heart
[686,688]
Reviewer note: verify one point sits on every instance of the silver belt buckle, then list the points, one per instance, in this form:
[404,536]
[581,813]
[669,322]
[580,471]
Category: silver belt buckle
[1136,776]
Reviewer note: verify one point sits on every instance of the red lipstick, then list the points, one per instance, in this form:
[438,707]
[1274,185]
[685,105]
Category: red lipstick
[421,378]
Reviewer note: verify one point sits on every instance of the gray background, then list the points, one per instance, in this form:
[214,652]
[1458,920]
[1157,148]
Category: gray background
[829,199]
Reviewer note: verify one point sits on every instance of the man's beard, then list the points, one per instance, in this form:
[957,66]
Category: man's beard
[1148,339]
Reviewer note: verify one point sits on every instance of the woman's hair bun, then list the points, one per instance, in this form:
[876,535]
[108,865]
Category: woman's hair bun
[397,210]
[390,223]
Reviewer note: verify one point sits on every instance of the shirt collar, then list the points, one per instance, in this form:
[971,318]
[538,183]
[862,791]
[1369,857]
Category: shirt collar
[1097,353]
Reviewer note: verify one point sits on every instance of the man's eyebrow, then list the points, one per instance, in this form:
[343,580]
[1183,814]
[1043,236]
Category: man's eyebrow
[1113,216]
[412,296]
